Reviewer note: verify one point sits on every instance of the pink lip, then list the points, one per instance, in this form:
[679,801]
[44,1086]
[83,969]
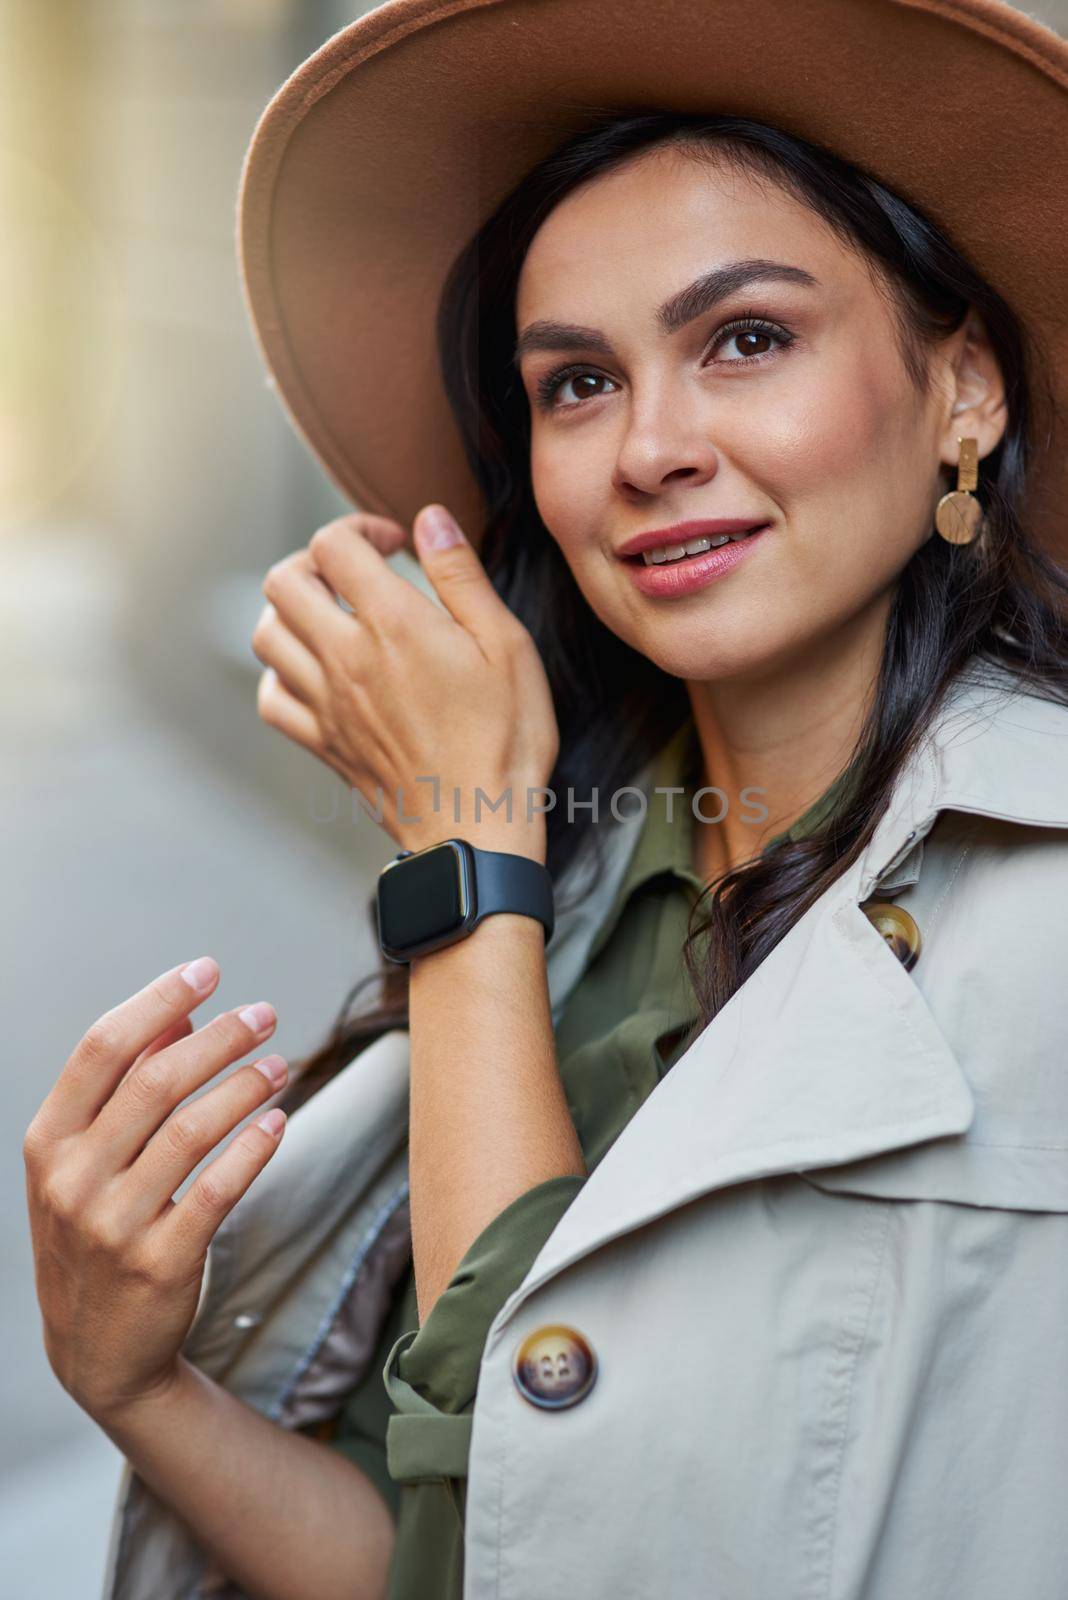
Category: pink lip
[695,572]
[679,532]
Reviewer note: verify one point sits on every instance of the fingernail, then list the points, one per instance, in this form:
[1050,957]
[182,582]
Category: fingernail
[258,1017]
[200,974]
[274,1069]
[437,529]
[272,1121]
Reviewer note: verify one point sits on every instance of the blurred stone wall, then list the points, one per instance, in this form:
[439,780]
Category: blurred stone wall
[150,427]
[200,476]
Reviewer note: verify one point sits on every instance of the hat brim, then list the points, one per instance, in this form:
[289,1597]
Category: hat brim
[385,151]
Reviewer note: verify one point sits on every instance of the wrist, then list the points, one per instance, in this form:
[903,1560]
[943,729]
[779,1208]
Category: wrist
[517,837]
[125,1419]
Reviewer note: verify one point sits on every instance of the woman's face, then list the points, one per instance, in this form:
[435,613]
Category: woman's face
[807,422]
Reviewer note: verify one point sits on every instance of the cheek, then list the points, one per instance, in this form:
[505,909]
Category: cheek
[569,489]
[845,464]
[823,440]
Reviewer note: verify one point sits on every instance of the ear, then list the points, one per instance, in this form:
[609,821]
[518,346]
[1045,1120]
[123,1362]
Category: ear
[975,394]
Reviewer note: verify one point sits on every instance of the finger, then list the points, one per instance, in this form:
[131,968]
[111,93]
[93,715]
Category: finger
[147,1095]
[286,714]
[278,647]
[192,1132]
[454,568]
[178,1030]
[105,1053]
[186,1230]
[387,535]
[353,566]
[280,709]
[307,604]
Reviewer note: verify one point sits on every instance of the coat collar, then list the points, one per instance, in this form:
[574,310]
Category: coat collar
[828,1053]
[993,749]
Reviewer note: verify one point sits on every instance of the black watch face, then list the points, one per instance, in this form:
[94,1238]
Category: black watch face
[422,897]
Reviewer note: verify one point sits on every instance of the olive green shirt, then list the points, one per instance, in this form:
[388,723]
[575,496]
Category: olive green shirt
[624,1024]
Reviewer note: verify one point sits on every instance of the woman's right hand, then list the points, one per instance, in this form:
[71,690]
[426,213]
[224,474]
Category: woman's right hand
[118,1261]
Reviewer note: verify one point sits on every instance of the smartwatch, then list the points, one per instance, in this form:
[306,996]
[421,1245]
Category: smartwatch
[433,897]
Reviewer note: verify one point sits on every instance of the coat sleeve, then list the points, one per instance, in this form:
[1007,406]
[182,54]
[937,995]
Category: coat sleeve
[431,1373]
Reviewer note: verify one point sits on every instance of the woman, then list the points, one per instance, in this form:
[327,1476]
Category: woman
[742,1200]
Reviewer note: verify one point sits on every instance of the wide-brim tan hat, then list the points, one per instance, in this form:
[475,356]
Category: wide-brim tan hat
[384,152]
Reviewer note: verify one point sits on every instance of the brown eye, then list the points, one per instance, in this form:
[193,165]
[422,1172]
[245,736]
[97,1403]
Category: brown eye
[748,343]
[579,383]
[753,340]
[576,379]
[582,379]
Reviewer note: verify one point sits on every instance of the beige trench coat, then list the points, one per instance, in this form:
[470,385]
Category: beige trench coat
[823,1270]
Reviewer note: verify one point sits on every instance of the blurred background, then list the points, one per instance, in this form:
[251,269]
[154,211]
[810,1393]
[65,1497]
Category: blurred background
[147,481]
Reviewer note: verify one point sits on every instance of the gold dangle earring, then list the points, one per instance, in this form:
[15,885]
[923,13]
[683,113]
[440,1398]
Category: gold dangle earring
[958,513]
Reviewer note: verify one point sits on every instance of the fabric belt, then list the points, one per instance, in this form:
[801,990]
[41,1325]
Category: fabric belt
[422,1443]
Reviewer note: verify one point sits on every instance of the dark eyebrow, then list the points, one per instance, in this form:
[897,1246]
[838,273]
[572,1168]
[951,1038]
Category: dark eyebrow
[694,301]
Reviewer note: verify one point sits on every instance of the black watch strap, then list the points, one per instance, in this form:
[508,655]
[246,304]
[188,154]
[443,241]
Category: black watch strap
[506,882]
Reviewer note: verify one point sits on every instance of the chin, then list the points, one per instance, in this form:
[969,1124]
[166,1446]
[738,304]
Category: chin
[693,648]
[672,657]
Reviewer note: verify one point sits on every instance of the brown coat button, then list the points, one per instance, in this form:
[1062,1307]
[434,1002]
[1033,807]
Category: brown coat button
[897,928]
[554,1367]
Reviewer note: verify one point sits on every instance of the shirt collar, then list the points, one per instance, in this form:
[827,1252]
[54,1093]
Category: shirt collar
[666,841]
[666,833]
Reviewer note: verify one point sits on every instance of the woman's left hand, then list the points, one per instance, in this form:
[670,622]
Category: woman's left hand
[401,689]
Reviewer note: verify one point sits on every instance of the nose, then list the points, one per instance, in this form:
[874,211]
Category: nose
[662,447]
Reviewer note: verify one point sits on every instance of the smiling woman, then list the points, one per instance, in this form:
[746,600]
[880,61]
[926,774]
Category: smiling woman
[698,1248]
[790,415]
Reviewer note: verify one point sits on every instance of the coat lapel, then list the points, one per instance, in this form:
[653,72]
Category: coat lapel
[826,1054]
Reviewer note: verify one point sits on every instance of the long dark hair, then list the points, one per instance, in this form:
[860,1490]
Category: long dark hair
[1001,598]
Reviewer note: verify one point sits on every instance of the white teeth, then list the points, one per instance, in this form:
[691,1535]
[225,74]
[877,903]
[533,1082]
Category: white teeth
[692,547]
